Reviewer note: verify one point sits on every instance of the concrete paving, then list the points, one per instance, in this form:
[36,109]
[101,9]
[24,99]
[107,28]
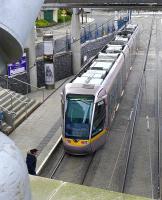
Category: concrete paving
[46,189]
[42,128]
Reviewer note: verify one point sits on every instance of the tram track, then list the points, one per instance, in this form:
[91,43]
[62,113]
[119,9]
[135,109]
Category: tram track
[59,159]
[138,102]
[146,133]
[120,173]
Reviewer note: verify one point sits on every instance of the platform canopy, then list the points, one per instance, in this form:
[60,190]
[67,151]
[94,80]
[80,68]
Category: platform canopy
[112,4]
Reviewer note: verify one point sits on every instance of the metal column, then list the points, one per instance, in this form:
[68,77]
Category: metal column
[75,41]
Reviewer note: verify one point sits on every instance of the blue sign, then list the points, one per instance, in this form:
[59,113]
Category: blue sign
[18,67]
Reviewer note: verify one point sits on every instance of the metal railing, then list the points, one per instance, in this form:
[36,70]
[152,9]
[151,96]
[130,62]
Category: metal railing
[89,32]
[12,97]
[9,116]
[29,86]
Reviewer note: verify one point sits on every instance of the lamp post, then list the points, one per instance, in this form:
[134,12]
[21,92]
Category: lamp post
[64,15]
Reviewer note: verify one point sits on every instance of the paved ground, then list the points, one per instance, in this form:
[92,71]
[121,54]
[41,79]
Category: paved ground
[42,127]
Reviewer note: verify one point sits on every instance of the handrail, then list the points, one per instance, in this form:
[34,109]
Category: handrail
[23,82]
[28,84]
[2,77]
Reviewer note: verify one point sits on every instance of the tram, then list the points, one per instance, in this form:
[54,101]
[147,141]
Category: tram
[91,99]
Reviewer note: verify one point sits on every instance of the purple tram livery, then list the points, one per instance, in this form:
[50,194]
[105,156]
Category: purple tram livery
[91,99]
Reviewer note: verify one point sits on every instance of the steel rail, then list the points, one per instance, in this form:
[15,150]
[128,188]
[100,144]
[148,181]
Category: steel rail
[86,172]
[57,165]
[159,132]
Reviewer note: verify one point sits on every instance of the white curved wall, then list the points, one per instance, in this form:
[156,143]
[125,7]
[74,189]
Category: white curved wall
[14,179]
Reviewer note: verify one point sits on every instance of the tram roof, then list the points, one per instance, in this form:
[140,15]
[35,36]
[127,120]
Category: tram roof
[105,60]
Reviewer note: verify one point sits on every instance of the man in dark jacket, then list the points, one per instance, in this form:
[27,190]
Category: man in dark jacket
[31,161]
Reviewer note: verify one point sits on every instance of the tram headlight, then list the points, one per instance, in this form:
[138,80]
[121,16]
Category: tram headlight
[84,142]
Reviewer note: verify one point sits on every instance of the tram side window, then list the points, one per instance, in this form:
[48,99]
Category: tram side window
[99,118]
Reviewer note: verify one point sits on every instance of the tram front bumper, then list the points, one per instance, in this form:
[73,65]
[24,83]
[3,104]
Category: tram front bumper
[77,149]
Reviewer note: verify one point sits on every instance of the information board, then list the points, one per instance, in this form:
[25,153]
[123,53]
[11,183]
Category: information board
[48,47]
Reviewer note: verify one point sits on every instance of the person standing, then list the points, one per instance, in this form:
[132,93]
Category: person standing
[31,161]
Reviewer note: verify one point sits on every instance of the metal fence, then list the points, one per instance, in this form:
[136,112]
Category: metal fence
[89,32]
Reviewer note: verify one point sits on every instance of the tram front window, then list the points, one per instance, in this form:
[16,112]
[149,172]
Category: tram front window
[78,116]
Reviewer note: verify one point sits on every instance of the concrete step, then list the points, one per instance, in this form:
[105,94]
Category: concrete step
[5,128]
[15,102]
[6,97]
[4,125]
[22,117]
[18,106]
[23,108]
[2,92]
[10,101]
[21,104]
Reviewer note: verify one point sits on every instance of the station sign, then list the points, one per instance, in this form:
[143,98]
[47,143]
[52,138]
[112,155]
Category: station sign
[18,67]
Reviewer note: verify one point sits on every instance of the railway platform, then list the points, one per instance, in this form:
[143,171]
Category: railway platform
[42,128]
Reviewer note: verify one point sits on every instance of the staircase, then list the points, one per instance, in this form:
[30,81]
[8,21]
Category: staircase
[15,108]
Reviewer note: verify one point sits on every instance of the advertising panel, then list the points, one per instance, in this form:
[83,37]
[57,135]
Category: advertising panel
[18,67]
[48,47]
[49,74]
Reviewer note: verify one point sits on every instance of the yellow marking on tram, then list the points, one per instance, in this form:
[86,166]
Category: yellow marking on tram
[82,143]
[98,135]
[76,143]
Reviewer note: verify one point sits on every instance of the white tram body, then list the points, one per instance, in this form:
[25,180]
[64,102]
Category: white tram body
[90,100]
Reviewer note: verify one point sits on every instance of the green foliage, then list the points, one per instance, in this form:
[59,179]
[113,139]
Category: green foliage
[66,18]
[68,11]
[61,19]
[42,23]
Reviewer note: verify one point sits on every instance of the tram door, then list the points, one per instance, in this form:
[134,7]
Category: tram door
[98,135]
